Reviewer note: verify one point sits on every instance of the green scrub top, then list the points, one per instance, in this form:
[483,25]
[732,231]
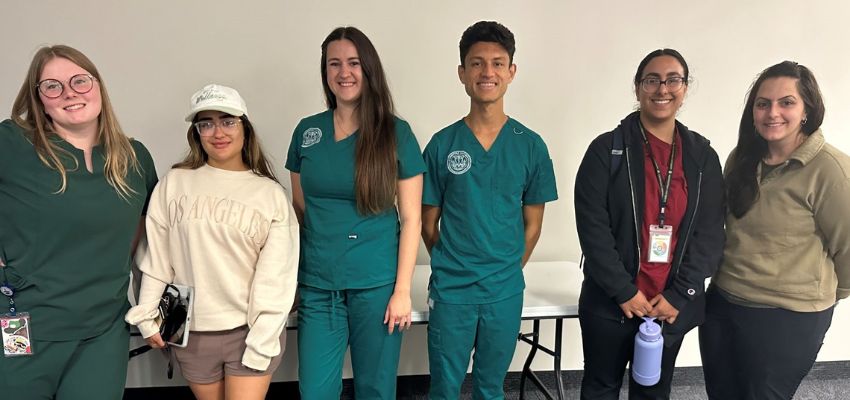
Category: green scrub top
[341,249]
[477,259]
[68,253]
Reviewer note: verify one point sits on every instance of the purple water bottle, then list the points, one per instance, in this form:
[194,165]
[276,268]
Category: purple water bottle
[649,344]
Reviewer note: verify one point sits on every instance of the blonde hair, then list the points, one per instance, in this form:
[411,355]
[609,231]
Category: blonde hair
[28,112]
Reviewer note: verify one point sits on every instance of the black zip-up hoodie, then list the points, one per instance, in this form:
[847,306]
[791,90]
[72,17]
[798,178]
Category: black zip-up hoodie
[609,208]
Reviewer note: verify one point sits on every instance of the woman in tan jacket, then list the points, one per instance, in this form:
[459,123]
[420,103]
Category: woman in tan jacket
[787,255]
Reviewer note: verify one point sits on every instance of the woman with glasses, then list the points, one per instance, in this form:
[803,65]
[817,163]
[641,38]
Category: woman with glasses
[220,222]
[73,190]
[649,207]
[356,174]
[787,258]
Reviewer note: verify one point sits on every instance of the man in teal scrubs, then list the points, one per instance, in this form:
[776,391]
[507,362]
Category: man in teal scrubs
[488,178]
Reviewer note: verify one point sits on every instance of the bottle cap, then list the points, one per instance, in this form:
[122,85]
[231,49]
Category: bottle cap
[649,331]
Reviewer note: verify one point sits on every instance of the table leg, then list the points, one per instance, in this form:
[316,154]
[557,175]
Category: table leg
[526,369]
[559,328]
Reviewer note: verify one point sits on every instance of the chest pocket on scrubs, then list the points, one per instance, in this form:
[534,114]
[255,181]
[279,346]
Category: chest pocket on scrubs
[507,196]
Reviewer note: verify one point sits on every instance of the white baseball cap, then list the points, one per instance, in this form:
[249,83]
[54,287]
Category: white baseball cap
[218,98]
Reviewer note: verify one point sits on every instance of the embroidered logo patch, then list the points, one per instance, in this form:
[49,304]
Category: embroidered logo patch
[459,162]
[311,137]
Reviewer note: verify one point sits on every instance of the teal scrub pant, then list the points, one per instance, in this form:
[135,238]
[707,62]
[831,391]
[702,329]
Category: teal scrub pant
[91,369]
[454,330]
[328,321]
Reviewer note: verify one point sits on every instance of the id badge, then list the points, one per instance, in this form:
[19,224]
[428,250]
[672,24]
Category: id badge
[660,238]
[16,335]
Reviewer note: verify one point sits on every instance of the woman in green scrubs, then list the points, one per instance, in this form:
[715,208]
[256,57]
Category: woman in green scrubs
[73,190]
[356,174]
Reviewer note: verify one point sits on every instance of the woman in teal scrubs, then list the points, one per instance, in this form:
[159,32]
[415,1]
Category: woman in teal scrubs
[73,189]
[356,174]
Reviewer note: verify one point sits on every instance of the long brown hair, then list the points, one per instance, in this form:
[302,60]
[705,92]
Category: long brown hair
[375,161]
[742,188]
[28,112]
[252,151]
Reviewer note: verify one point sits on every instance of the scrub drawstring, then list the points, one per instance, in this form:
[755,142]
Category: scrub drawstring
[336,296]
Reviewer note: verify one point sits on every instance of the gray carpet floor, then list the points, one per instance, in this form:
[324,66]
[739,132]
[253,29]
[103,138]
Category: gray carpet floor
[826,381]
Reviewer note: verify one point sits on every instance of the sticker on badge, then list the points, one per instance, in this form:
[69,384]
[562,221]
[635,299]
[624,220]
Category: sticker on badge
[16,335]
[660,238]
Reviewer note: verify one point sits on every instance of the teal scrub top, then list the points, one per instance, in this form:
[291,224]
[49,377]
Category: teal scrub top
[340,248]
[477,259]
[68,253]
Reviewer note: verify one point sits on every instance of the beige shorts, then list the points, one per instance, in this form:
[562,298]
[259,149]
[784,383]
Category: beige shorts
[209,356]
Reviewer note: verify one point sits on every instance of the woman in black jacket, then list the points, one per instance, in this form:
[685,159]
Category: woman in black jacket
[649,213]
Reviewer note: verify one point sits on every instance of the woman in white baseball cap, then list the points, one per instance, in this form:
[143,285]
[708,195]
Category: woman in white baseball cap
[220,222]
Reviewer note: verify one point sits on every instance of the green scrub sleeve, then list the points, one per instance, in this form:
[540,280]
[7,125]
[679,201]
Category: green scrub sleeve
[293,156]
[6,133]
[541,188]
[432,188]
[148,170]
[410,161]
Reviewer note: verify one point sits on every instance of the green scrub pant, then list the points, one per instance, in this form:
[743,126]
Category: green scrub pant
[454,330]
[91,369]
[328,321]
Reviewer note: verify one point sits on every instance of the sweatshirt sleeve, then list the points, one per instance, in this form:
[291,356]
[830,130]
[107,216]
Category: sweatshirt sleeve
[155,265]
[593,223]
[157,261]
[145,315]
[273,289]
[832,218]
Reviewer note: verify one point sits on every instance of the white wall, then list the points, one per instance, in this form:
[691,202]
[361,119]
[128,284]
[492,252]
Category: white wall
[575,63]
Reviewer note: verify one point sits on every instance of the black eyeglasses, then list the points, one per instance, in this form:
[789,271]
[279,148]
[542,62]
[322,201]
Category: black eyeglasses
[52,88]
[673,83]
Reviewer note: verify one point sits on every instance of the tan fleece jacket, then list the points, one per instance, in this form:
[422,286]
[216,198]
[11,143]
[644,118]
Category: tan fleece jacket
[792,248]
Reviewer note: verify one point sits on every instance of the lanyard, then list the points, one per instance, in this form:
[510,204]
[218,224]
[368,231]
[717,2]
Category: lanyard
[6,289]
[663,186]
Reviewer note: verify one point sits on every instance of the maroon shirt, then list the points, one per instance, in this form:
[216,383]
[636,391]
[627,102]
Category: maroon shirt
[652,277]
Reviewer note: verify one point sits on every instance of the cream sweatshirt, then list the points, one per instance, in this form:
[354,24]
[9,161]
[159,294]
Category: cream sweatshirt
[233,236]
